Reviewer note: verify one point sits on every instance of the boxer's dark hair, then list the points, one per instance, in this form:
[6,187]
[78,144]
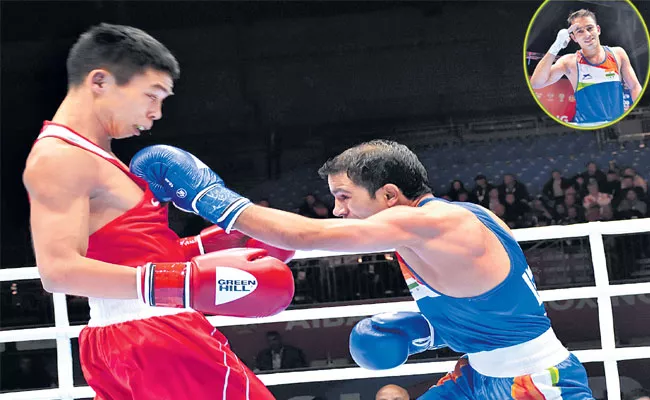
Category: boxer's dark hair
[374,164]
[124,51]
[580,14]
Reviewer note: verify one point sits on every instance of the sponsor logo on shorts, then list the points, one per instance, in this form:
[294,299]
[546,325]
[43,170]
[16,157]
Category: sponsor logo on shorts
[233,284]
[181,193]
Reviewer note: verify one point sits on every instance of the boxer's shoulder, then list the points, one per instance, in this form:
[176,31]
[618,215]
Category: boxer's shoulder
[619,54]
[432,219]
[52,149]
[443,211]
[618,50]
[52,162]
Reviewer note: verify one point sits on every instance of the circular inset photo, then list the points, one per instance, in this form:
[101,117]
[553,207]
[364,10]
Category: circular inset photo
[586,62]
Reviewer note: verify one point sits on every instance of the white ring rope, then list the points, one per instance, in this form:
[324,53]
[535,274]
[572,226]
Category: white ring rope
[603,291]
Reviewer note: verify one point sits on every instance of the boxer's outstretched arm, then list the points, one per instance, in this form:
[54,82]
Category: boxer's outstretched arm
[60,180]
[394,227]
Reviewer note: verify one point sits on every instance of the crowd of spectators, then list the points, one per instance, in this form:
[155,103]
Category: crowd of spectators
[591,195]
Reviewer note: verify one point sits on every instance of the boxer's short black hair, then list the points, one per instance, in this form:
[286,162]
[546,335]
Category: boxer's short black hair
[374,164]
[124,51]
[580,14]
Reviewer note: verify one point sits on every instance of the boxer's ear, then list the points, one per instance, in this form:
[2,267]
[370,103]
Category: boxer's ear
[100,80]
[391,194]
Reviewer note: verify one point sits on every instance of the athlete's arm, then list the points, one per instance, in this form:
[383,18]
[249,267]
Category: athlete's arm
[547,73]
[394,227]
[60,181]
[629,76]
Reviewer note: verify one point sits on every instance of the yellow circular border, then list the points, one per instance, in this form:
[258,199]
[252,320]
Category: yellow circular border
[532,91]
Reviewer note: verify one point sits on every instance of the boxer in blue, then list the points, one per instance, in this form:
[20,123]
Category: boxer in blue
[596,72]
[468,275]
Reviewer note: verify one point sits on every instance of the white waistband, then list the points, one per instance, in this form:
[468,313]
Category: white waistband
[110,311]
[525,358]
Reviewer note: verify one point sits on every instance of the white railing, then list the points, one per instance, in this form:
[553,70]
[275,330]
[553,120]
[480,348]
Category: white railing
[603,291]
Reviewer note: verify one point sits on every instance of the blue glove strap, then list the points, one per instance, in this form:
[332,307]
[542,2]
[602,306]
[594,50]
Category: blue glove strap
[220,205]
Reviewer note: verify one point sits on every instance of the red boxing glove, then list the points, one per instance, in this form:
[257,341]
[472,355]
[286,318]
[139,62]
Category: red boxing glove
[234,282]
[215,239]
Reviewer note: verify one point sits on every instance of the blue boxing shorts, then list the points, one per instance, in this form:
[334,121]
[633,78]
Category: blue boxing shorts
[566,380]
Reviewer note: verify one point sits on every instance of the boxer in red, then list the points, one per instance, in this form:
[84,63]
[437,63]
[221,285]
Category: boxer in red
[99,232]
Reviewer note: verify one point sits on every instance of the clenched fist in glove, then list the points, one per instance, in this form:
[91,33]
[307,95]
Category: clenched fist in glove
[235,282]
[386,340]
[175,175]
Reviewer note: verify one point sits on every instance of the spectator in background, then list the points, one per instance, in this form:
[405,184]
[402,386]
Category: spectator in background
[479,194]
[313,207]
[560,214]
[627,183]
[511,185]
[554,188]
[641,184]
[572,216]
[307,207]
[538,215]
[594,173]
[499,210]
[493,198]
[463,195]
[638,394]
[278,355]
[580,186]
[631,207]
[597,205]
[637,179]
[571,200]
[514,211]
[455,187]
[392,392]
[321,210]
[613,183]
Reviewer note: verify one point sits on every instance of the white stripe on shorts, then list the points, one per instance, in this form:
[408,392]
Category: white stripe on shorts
[225,362]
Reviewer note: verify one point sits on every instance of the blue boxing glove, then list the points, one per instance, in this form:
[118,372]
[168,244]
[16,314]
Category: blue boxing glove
[386,340]
[178,176]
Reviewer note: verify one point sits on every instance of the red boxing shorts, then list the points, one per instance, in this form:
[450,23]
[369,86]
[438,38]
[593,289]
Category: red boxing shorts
[178,356]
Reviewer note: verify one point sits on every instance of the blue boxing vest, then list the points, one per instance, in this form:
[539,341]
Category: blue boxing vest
[511,313]
[599,89]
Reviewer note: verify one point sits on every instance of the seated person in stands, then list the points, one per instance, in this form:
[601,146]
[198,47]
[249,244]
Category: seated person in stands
[631,207]
[597,205]
[554,188]
[512,185]
[279,355]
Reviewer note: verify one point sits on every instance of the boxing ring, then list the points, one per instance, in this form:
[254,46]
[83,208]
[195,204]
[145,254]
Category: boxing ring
[603,291]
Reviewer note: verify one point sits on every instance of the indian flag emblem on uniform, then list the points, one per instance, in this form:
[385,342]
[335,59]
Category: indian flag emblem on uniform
[418,289]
